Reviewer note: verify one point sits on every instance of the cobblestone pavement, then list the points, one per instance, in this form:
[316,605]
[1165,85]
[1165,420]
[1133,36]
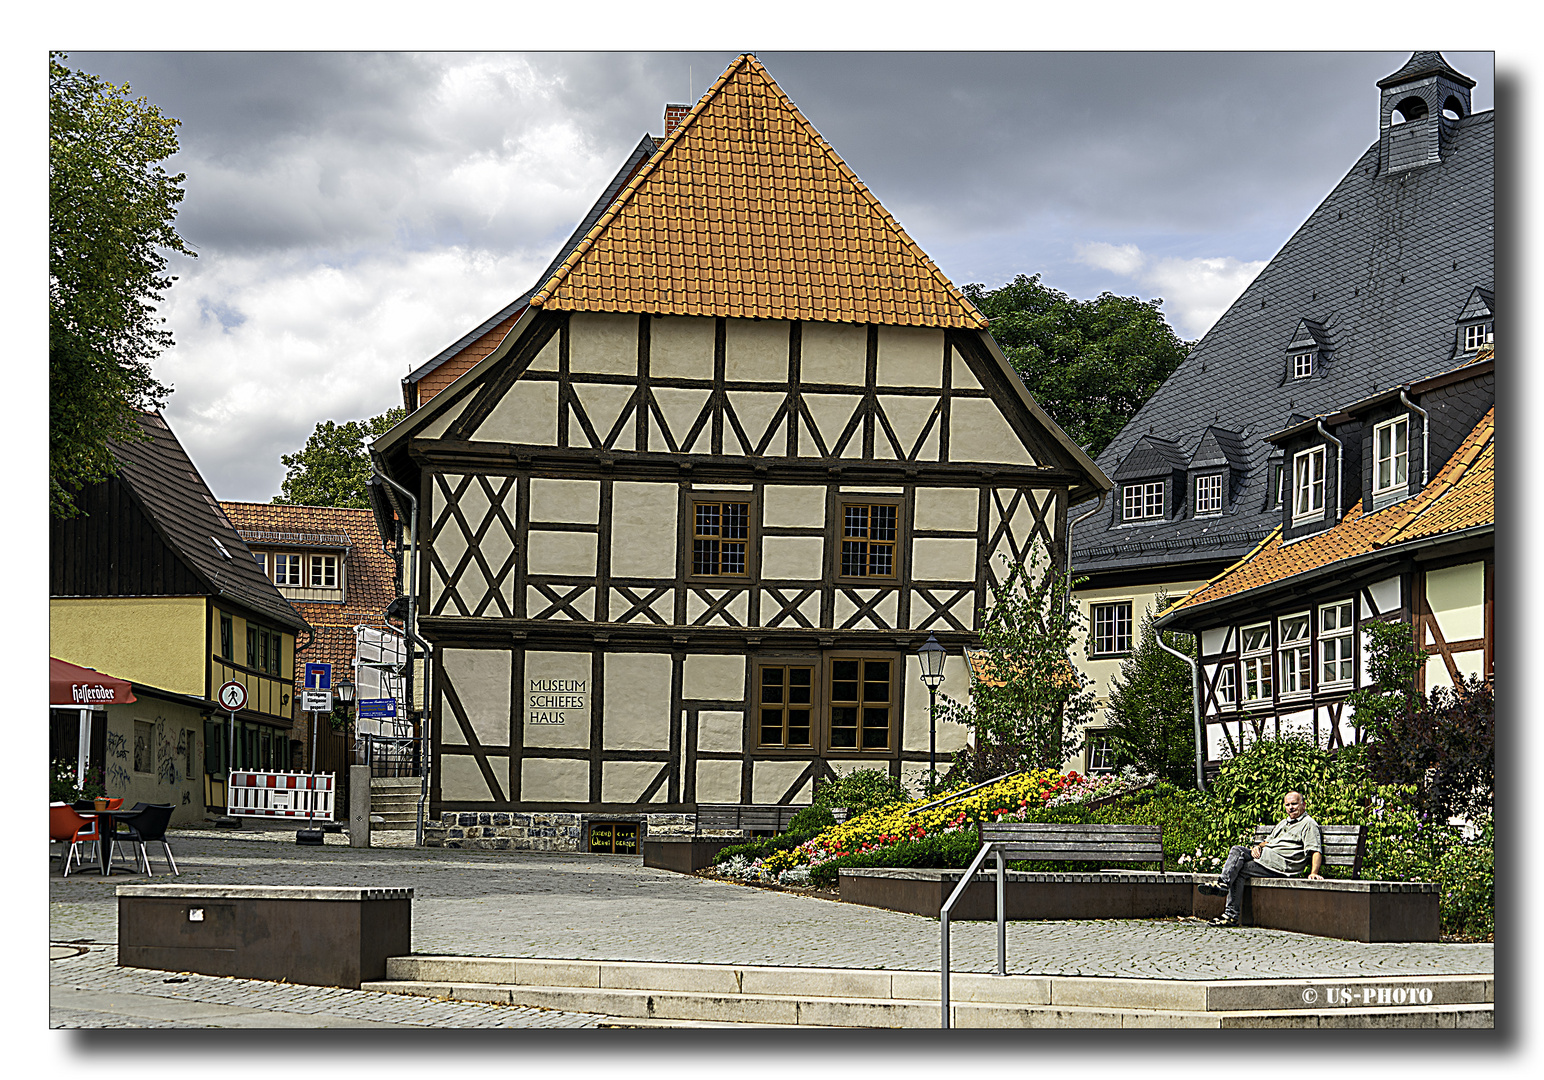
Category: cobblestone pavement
[613,908]
[88,990]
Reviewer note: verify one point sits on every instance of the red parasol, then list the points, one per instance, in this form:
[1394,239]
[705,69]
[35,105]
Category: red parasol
[82,687]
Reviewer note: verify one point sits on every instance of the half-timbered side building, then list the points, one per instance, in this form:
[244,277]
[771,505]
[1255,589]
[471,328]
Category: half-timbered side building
[684,529]
[1283,630]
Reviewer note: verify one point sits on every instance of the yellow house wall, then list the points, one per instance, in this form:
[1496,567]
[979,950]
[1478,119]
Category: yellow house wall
[157,772]
[269,694]
[158,641]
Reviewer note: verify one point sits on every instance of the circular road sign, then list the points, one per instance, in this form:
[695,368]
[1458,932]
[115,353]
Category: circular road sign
[233,697]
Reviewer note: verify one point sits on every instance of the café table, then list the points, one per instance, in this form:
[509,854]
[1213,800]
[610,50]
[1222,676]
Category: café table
[107,822]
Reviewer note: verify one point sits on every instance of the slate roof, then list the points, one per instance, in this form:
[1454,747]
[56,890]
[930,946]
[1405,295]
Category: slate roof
[1383,265]
[746,212]
[641,153]
[370,572]
[183,510]
[1459,498]
[1422,64]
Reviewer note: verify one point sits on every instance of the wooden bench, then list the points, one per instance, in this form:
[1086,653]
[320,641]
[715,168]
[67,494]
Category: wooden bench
[1354,910]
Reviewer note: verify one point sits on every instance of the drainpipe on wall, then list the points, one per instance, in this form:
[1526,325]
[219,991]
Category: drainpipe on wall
[1425,434]
[1067,599]
[1340,468]
[1195,705]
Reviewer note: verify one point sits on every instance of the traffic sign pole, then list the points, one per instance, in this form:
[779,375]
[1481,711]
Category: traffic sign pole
[233,695]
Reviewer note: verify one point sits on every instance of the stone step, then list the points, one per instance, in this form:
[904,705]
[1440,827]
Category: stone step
[395,783]
[837,997]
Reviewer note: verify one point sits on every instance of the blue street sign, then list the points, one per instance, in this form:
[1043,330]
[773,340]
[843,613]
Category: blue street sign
[377,708]
[318,676]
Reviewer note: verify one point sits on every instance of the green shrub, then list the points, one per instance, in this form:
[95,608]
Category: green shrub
[860,790]
[945,850]
[1182,815]
[811,820]
[1468,876]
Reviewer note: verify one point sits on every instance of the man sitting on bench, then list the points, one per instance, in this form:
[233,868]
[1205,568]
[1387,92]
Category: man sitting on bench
[1283,853]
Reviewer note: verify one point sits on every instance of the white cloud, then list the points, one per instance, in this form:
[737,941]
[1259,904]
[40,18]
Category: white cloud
[1195,291]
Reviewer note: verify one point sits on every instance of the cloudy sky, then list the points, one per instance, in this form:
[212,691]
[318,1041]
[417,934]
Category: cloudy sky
[354,213]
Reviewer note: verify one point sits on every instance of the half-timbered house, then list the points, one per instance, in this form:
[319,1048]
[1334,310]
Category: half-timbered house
[1282,631]
[684,528]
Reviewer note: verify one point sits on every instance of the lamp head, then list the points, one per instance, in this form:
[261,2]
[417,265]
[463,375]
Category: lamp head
[932,656]
[343,690]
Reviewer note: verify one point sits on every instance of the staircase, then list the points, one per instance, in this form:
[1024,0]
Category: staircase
[656,994]
[394,800]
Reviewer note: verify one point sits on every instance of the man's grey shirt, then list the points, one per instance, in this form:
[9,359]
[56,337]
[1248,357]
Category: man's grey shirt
[1287,847]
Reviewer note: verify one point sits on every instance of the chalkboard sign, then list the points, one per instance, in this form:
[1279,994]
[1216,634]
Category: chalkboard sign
[614,837]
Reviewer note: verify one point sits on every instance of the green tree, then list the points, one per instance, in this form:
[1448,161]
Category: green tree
[1091,364]
[333,467]
[1029,702]
[1151,718]
[110,211]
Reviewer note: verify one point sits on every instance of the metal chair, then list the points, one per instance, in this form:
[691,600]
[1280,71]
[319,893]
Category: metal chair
[68,827]
[147,827]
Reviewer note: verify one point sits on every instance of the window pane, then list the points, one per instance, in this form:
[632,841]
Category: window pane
[731,557]
[855,521]
[882,526]
[844,727]
[735,524]
[854,558]
[876,729]
[800,685]
[707,519]
[704,556]
[876,680]
[881,560]
[772,686]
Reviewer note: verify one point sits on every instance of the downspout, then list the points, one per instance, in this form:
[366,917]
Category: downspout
[1067,597]
[410,630]
[1340,467]
[1195,705]
[1425,433]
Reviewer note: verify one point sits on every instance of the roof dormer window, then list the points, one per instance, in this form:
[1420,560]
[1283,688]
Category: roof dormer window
[1477,321]
[1477,334]
[1209,494]
[1308,485]
[1142,502]
[1302,364]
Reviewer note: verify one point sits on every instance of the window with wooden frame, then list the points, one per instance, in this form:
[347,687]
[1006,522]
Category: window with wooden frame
[1391,456]
[1101,754]
[785,706]
[721,533]
[262,561]
[1209,494]
[1302,364]
[1308,484]
[870,536]
[1227,686]
[861,704]
[1142,502]
[1337,644]
[1255,661]
[1477,334]
[1278,481]
[227,638]
[286,569]
[1296,654]
[324,571]
[1111,628]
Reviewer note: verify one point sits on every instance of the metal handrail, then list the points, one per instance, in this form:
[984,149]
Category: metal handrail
[943,925]
[963,792]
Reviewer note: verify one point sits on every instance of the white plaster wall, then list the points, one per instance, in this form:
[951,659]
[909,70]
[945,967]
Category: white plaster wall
[769,779]
[528,413]
[713,677]
[910,356]
[914,714]
[554,780]
[833,353]
[789,507]
[720,731]
[796,557]
[907,416]
[602,343]
[681,409]
[1386,594]
[547,359]
[481,679]
[462,781]
[960,377]
[643,530]
[1143,598]
[718,781]
[978,432]
[1212,641]
[947,508]
[738,606]
[943,560]
[1456,596]
[625,781]
[569,666]
[583,603]
[681,347]
[637,703]
[436,427]
[602,404]
[561,553]
[831,412]
[756,350]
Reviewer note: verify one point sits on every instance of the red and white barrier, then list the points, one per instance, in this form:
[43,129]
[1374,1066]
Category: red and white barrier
[280,795]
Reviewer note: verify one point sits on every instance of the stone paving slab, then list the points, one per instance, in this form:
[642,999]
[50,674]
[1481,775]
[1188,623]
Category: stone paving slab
[580,906]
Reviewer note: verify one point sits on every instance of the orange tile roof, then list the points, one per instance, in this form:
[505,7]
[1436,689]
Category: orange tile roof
[1461,496]
[370,581]
[745,211]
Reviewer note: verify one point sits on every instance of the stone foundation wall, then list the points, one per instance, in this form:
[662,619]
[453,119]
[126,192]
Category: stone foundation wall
[516,831]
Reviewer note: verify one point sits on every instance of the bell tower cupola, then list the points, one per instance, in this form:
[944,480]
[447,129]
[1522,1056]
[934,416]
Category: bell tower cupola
[1420,105]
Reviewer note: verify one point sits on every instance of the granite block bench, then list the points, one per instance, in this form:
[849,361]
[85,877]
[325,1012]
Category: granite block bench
[316,935]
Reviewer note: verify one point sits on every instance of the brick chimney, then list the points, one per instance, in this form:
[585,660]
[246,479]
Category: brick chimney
[674,114]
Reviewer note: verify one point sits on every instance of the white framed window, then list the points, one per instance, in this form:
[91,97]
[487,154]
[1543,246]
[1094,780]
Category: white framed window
[1227,686]
[1209,494]
[1478,334]
[1111,628]
[1337,644]
[324,571]
[286,569]
[1277,482]
[1142,502]
[262,561]
[1308,484]
[1391,455]
[1101,755]
[1302,365]
[1256,664]
[1296,654]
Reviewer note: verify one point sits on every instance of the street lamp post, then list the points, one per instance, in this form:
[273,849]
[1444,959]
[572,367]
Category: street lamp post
[932,656]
